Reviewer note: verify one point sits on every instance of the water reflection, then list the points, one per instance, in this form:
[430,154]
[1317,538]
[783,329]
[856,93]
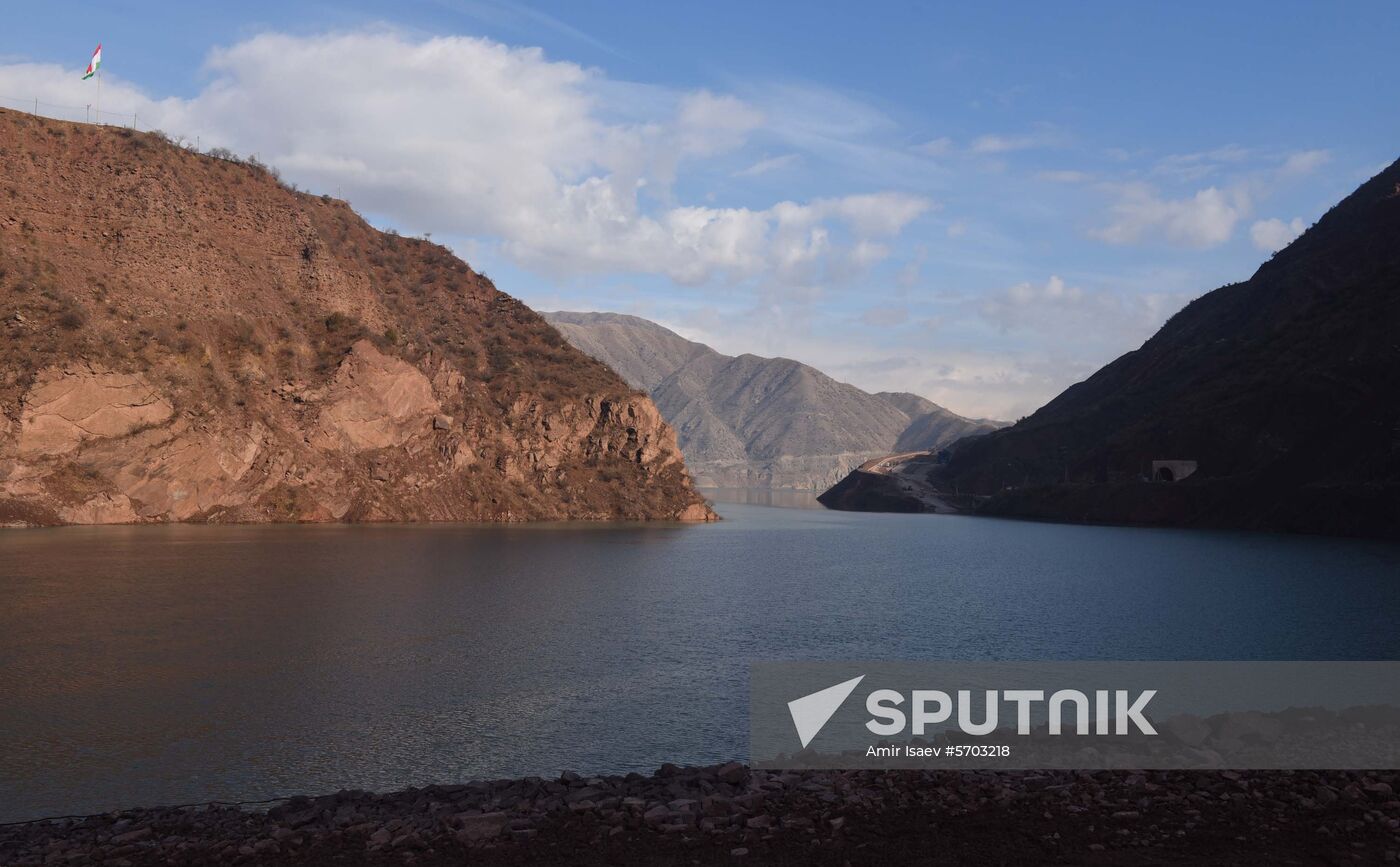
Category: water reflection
[779,497]
[144,665]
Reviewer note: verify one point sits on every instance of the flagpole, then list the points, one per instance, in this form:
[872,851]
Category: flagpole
[99,94]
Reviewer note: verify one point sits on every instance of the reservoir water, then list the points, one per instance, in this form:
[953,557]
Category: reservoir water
[174,664]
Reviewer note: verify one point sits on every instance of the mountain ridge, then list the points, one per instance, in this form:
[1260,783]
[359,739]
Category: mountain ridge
[752,421]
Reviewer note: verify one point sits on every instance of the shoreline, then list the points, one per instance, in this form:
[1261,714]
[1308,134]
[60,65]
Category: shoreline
[732,814]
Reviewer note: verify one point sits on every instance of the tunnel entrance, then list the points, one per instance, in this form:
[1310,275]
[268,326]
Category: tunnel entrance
[1172,471]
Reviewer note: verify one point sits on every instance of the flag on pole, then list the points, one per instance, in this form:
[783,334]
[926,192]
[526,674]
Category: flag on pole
[95,62]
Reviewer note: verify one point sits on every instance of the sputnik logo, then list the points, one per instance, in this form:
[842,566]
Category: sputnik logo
[811,712]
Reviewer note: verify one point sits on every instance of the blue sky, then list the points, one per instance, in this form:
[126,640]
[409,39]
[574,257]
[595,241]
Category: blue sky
[978,205]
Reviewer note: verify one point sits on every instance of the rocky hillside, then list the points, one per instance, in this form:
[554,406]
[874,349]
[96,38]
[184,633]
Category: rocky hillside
[187,339]
[1282,390]
[748,421]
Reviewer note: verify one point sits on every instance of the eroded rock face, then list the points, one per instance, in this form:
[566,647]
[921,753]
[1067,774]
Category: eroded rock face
[376,401]
[66,407]
[180,471]
[105,508]
[101,447]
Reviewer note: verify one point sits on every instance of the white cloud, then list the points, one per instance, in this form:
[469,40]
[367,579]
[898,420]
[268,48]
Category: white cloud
[1191,167]
[1208,217]
[1304,162]
[1274,234]
[1195,167]
[1057,308]
[1028,301]
[1205,219]
[709,124]
[769,164]
[969,382]
[939,147]
[877,214]
[564,169]
[1001,144]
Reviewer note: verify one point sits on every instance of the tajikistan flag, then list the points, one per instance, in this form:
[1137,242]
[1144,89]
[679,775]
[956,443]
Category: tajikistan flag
[95,62]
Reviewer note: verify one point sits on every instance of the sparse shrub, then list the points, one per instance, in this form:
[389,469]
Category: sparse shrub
[72,319]
[243,335]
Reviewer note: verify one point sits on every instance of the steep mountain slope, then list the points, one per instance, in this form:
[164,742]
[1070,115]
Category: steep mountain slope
[748,421]
[912,405]
[640,351]
[931,427]
[185,339]
[1282,389]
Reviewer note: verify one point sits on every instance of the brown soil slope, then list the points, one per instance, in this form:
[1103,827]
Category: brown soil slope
[182,338]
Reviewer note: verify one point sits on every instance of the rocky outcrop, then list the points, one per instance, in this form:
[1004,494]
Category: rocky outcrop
[66,407]
[98,448]
[183,339]
[375,402]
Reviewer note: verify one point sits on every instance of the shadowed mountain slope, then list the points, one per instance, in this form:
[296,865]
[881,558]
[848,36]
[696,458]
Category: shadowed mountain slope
[1282,389]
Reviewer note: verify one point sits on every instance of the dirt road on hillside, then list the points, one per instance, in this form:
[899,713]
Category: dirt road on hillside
[909,470]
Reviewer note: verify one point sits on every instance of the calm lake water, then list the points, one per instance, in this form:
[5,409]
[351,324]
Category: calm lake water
[153,665]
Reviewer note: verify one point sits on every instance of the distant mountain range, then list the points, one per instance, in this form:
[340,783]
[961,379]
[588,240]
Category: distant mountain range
[748,421]
[1267,404]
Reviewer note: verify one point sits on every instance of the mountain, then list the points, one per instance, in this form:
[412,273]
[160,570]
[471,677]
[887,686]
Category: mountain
[931,427]
[640,351]
[187,339]
[747,421]
[1274,398]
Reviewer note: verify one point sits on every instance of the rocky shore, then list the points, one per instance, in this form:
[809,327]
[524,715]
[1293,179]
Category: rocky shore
[730,814]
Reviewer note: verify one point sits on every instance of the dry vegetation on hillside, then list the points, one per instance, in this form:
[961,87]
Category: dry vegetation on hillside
[243,303]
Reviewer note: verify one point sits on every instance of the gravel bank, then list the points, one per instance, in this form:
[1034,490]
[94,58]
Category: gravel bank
[729,814]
